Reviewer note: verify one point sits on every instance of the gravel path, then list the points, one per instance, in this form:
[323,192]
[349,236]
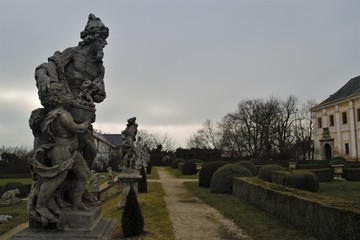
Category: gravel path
[193,219]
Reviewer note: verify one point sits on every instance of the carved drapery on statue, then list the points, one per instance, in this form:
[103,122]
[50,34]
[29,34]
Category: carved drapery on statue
[69,84]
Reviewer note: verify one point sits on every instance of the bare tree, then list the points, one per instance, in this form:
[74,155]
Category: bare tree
[167,142]
[304,129]
[195,141]
[285,136]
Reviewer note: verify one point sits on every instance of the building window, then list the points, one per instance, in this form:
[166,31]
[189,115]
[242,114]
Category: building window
[358,114]
[347,151]
[344,118]
[319,123]
[331,120]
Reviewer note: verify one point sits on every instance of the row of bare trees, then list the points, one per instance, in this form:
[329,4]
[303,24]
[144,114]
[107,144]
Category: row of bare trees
[261,129]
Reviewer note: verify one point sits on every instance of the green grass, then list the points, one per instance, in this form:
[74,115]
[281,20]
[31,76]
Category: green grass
[344,190]
[177,173]
[19,180]
[256,223]
[19,213]
[156,216]
[154,174]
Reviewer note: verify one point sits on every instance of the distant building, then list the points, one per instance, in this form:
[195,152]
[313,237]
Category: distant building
[106,145]
[337,123]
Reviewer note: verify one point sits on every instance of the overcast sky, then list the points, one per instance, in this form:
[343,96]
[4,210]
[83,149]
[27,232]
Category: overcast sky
[174,64]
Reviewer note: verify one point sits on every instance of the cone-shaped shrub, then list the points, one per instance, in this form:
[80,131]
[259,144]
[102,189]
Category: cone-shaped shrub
[222,180]
[249,165]
[148,168]
[207,172]
[142,188]
[132,220]
[266,170]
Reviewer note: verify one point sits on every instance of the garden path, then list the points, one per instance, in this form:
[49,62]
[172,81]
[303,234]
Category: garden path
[193,219]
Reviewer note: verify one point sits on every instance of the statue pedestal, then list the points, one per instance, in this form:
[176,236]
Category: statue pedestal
[128,177]
[78,225]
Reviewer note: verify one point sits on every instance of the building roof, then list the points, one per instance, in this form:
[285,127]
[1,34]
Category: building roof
[116,139]
[350,88]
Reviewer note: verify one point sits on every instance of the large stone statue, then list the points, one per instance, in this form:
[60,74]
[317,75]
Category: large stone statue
[69,85]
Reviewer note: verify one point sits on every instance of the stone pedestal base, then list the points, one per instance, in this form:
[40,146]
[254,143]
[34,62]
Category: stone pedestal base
[102,231]
[74,219]
[77,225]
[128,178]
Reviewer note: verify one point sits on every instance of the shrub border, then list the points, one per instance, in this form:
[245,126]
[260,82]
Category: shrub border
[322,216]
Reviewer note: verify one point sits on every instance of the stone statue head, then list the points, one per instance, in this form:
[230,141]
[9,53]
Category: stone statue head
[94,29]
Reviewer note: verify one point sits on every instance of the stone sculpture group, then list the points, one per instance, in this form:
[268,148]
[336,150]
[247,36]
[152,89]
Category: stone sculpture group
[69,84]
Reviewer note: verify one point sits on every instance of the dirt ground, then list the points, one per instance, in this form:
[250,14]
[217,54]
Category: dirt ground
[193,219]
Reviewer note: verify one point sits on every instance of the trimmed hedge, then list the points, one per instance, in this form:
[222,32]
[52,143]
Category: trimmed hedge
[324,175]
[249,165]
[322,216]
[296,179]
[175,163]
[132,220]
[351,174]
[222,179]
[302,180]
[189,168]
[207,172]
[312,166]
[266,170]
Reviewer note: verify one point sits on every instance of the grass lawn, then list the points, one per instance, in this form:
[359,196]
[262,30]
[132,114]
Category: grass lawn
[177,173]
[19,180]
[345,190]
[156,216]
[255,222]
[154,174]
[19,213]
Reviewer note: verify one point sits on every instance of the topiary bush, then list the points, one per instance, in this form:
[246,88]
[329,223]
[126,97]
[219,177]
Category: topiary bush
[189,168]
[142,187]
[132,220]
[13,185]
[249,165]
[266,170]
[254,161]
[175,163]
[207,171]
[302,180]
[222,179]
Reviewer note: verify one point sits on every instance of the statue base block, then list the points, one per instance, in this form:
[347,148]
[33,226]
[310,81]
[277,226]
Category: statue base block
[73,219]
[101,231]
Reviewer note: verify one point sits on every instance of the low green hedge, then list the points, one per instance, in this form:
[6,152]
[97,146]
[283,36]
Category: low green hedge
[352,174]
[266,170]
[324,175]
[222,179]
[207,172]
[323,216]
[298,179]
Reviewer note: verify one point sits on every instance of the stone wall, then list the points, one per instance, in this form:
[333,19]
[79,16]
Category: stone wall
[322,216]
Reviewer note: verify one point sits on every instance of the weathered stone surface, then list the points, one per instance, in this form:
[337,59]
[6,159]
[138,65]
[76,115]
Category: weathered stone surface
[69,84]
[102,231]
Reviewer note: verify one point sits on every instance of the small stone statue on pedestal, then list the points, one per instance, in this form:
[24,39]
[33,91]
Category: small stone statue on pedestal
[129,175]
